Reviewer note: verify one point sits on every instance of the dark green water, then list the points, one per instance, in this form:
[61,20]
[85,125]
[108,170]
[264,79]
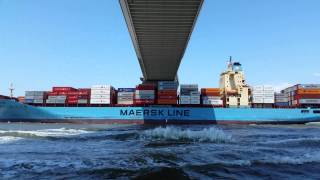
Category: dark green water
[62,151]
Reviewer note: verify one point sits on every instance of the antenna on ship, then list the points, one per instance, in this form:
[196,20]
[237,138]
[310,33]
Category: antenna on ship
[11,89]
[230,63]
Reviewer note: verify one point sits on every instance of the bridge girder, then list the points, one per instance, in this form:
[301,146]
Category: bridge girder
[160,31]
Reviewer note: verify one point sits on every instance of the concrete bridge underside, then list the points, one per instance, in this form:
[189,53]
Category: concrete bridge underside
[160,31]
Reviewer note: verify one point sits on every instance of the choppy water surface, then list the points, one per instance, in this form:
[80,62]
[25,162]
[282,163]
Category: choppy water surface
[60,151]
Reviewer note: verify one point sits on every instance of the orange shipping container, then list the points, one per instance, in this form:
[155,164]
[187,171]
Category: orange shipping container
[308,91]
[210,90]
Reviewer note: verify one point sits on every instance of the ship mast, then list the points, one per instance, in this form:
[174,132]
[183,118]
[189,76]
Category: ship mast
[11,89]
[230,64]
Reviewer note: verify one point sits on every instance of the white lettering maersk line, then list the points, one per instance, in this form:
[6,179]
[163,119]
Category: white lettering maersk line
[155,112]
[12,111]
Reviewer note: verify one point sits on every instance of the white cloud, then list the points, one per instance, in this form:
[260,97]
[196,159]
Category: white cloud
[317,74]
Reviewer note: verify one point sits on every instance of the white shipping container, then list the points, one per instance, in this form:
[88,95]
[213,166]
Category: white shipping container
[103,86]
[50,101]
[258,87]
[309,86]
[211,98]
[195,102]
[82,101]
[268,88]
[125,102]
[34,93]
[184,101]
[195,93]
[269,96]
[257,93]
[281,100]
[99,101]
[100,96]
[34,97]
[213,102]
[257,100]
[101,91]
[269,92]
[125,93]
[282,95]
[309,101]
[38,101]
[195,96]
[57,97]
[124,98]
[268,101]
[144,96]
[184,97]
[60,101]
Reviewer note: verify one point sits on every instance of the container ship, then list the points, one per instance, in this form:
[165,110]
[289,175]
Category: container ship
[168,102]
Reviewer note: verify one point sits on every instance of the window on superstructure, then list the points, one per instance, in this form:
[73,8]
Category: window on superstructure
[304,111]
[316,111]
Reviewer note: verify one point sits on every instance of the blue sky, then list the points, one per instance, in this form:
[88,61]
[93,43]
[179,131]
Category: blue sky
[84,42]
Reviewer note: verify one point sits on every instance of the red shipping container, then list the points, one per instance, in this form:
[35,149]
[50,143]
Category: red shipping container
[62,93]
[72,101]
[167,101]
[145,87]
[73,97]
[167,92]
[307,96]
[73,93]
[84,92]
[63,89]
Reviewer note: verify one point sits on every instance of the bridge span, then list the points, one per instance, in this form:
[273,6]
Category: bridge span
[160,31]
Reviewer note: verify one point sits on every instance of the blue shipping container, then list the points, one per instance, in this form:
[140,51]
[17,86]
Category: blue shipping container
[126,89]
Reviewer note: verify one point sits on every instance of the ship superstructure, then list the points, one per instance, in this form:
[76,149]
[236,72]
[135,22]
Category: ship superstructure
[234,90]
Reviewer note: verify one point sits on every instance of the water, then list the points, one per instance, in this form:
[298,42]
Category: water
[62,151]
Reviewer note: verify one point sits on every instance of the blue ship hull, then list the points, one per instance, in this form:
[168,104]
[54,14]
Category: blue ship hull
[11,111]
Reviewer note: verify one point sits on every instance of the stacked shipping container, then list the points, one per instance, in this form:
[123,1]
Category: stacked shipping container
[125,96]
[304,95]
[144,94]
[281,100]
[262,96]
[68,95]
[102,94]
[35,97]
[189,94]
[59,95]
[211,96]
[167,92]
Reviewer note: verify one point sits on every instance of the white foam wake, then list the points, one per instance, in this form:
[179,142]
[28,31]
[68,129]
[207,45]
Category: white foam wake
[211,134]
[45,132]
[8,139]
[304,158]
